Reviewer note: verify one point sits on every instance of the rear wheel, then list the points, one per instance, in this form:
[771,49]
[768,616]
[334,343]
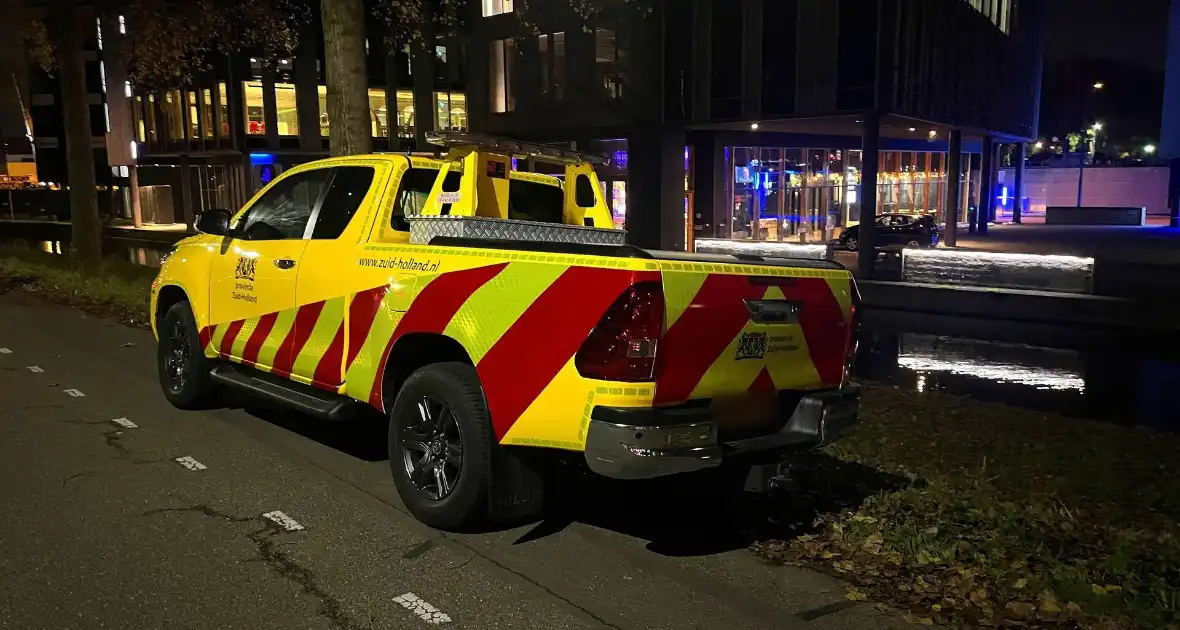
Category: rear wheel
[181,362]
[442,450]
[913,243]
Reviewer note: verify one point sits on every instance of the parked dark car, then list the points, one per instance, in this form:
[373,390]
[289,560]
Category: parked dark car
[896,230]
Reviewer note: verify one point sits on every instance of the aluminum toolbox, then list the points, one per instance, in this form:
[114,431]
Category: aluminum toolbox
[425,228]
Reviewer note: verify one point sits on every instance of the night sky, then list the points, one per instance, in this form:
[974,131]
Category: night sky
[1120,43]
[1125,30]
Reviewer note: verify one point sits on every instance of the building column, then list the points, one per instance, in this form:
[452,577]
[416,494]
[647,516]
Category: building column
[708,163]
[186,191]
[391,117]
[1018,180]
[307,96]
[136,210]
[422,66]
[954,169]
[870,145]
[655,189]
[270,107]
[987,168]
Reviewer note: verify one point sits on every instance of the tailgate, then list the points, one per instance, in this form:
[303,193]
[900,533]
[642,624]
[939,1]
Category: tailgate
[738,333]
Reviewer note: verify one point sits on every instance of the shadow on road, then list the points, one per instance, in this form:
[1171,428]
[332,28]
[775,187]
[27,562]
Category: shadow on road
[363,438]
[704,514]
[688,515]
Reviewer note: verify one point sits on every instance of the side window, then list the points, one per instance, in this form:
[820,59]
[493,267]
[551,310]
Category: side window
[530,201]
[346,191]
[283,212]
[412,192]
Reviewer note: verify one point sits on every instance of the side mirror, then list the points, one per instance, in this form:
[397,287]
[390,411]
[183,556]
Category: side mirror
[215,222]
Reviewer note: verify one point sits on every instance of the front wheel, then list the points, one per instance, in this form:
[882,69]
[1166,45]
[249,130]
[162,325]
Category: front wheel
[181,362]
[442,450]
[851,244]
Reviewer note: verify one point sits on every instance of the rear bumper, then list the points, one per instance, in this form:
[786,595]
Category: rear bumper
[643,443]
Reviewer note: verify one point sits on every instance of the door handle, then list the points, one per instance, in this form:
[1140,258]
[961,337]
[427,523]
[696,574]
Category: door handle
[284,263]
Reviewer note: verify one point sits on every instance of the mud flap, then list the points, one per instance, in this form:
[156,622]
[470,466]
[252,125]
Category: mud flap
[517,487]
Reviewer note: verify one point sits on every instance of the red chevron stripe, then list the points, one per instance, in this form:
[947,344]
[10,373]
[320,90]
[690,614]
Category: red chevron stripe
[522,362]
[705,329]
[431,311]
[206,336]
[824,327]
[231,333]
[763,384]
[361,314]
[266,323]
[327,371]
[305,320]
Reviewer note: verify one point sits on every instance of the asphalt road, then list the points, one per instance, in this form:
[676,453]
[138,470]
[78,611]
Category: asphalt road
[101,526]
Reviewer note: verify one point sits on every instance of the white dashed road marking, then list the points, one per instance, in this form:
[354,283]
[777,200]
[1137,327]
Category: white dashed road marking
[125,423]
[74,393]
[283,521]
[425,610]
[188,462]
[36,369]
[5,351]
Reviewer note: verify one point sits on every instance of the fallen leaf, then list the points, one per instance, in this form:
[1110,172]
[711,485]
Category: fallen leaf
[1021,610]
[1021,583]
[855,594]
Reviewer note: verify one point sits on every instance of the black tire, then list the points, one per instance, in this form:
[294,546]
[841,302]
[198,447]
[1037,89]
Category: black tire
[455,401]
[181,362]
[851,243]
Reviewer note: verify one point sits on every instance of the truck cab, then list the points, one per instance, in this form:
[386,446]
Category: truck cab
[486,312]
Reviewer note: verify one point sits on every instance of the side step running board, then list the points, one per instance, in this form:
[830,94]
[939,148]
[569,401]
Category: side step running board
[302,398]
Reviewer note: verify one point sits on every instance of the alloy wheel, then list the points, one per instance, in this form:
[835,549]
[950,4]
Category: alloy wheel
[852,244]
[176,361]
[432,449]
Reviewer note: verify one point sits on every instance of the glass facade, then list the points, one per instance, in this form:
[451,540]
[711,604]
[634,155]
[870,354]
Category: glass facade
[255,113]
[810,195]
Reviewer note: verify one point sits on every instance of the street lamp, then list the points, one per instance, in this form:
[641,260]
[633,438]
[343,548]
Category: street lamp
[1099,85]
[1097,126]
[1149,149]
[1039,145]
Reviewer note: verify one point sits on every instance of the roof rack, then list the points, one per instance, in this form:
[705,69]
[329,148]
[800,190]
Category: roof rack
[455,139]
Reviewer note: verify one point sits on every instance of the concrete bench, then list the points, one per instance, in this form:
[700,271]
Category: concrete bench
[1095,215]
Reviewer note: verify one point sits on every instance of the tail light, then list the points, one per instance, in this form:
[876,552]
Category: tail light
[854,329]
[623,346]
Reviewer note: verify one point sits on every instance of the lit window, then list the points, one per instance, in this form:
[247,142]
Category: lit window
[127,89]
[207,112]
[503,98]
[194,130]
[223,110]
[496,7]
[106,116]
[102,75]
[122,26]
[405,114]
[323,94]
[452,111]
[378,113]
[287,117]
[99,27]
[255,112]
[998,11]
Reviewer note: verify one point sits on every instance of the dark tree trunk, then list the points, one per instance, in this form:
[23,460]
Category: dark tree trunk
[349,130]
[86,233]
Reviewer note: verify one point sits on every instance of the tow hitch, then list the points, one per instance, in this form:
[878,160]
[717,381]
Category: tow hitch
[764,478]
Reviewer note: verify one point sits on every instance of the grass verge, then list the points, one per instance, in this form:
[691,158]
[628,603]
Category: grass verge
[121,292]
[1000,517]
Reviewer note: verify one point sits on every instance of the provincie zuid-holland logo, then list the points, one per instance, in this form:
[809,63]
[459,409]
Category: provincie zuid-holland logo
[752,345]
[245,269]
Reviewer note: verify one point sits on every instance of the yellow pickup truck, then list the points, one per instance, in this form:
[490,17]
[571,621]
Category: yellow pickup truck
[486,310]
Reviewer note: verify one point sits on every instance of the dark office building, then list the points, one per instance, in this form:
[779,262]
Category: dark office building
[751,118]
